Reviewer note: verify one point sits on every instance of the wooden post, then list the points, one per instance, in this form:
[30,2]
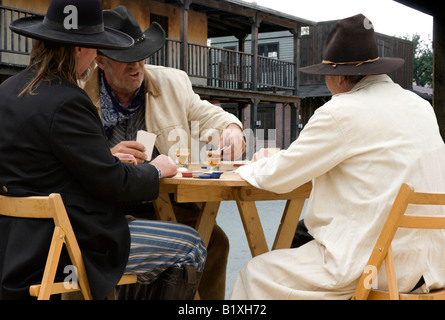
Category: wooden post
[184,58]
[439,72]
[254,113]
[255,27]
[297,40]
[242,63]
[253,120]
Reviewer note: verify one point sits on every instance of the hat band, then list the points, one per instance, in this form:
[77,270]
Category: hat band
[356,63]
[98,28]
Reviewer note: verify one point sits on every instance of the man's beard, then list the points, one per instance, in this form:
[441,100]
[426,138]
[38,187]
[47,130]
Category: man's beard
[84,76]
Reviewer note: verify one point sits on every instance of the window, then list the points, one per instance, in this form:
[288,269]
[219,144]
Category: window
[305,31]
[161,57]
[162,20]
[266,120]
[269,50]
[233,48]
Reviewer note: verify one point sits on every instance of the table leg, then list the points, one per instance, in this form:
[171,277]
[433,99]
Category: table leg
[252,226]
[206,220]
[163,208]
[288,224]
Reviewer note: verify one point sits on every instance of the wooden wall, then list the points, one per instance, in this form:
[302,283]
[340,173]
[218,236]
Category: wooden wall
[141,9]
[34,5]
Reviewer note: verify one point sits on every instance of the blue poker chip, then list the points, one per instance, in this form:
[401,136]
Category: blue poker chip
[215,175]
[204,176]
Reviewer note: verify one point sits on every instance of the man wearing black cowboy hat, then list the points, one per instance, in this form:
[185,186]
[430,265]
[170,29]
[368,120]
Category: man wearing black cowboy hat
[131,95]
[357,150]
[52,141]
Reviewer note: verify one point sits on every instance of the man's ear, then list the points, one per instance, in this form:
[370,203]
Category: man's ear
[100,62]
[78,50]
[341,80]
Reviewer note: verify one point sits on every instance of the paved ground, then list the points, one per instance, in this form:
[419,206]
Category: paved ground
[229,220]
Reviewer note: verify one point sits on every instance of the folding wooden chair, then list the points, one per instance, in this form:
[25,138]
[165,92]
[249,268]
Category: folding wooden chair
[382,249]
[52,207]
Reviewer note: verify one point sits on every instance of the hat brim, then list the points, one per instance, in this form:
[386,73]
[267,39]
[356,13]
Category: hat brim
[108,39]
[381,66]
[153,42]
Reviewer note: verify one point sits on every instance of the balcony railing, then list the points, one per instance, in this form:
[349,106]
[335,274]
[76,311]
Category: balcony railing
[228,69]
[212,67]
[11,42]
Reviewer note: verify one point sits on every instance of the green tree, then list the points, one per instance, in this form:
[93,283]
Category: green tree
[423,62]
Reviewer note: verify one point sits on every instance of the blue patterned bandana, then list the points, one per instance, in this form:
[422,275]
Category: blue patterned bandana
[113,112]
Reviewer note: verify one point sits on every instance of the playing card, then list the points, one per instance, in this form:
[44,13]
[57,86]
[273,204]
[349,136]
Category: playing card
[148,140]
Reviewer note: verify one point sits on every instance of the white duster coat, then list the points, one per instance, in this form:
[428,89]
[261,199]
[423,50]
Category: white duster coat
[357,149]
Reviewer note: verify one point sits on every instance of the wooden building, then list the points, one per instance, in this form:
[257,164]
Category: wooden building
[240,78]
[220,76]
[312,90]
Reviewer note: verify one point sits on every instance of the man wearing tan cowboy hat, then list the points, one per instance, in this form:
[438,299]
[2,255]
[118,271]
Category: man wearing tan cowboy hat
[131,95]
[357,150]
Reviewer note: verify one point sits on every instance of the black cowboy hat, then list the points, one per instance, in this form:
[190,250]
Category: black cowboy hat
[146,43]
[73,22]
[351,49]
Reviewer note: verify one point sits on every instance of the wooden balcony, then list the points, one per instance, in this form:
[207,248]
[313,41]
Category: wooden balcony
[227,76]
[239,80]
[14,49]
[218,68]
[217,74]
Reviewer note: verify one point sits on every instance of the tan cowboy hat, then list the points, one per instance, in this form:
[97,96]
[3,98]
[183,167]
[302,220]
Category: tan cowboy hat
[351,49]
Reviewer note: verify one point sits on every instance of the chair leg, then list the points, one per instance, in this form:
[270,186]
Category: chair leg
[78,295]
[391,275]
[51,264]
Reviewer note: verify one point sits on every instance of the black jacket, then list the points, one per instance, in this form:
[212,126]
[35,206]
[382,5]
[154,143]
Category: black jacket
[54,142]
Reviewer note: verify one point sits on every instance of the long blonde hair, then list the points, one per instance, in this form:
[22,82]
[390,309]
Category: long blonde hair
[51,61]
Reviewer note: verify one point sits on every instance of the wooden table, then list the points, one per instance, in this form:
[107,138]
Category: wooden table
[231,187]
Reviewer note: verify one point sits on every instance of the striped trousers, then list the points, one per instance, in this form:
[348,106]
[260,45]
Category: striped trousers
[159,245]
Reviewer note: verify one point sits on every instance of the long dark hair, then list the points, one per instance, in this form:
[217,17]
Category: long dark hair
[51,61]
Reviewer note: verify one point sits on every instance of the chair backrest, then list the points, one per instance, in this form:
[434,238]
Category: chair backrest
[51,207]
[398,219]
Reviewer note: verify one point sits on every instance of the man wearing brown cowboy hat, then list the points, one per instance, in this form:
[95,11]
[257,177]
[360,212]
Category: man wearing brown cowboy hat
[131,95]
[357,150]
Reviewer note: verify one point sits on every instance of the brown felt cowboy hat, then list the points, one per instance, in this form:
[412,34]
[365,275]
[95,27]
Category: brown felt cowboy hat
[73,22]
[351,49]
[146,43]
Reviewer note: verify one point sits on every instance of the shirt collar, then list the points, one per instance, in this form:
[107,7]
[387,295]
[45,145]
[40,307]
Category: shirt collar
[368,80]
[149,84]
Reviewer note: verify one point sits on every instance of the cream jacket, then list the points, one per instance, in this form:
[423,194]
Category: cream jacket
[173,111]
[357,149]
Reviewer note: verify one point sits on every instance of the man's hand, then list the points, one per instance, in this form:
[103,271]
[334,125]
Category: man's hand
[166,165]
[133,148]
[232,142]
[264,153]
